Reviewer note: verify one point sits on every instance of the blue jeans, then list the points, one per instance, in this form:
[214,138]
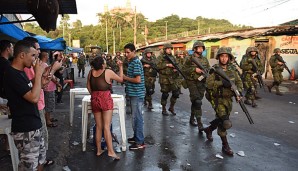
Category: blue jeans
[136,104]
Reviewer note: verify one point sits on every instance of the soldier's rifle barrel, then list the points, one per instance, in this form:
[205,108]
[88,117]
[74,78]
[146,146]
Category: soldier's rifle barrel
[284,62]
[223,75]
[175,65]
[199,65]
[152,65]
[259,75]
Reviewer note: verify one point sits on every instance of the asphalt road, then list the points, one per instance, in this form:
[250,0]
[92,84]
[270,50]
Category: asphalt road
[172,144]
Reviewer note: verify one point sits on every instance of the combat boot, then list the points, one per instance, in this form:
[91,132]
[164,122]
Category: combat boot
[83,76]
[150,104]
[208,131]
[171,109]
[145,102]
[192,120]
[225,146]
[200,125]
[246,101]
[257,97]
[253,104]
[278,92]
[164,111]
[270,87]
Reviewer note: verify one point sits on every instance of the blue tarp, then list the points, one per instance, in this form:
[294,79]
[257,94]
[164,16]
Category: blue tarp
[16,33]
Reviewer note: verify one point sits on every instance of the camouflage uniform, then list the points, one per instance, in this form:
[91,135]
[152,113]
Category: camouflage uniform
[121,58]
[196,83]
[248,72]
[180,60]
[276,71]
[81,65]
[167,81]
[111,63]
[31,149]
[150,77]
[220,95]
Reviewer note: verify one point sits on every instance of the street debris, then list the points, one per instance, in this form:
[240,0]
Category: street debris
[188,164]
[241,153]
[66,168]
[171,126]
[233,135]
[276,144]
[219,156]
[291,122]
[236,113]
[75,143]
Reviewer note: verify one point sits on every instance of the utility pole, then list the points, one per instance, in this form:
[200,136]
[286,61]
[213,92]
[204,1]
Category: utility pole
[114,46]
[166,30]
[135,28]
[107,43]
[198,27]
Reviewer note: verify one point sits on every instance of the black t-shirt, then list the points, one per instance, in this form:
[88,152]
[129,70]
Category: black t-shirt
[25,115]
[4,64]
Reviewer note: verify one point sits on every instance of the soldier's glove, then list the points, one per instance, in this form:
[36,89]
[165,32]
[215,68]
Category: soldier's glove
[226,83]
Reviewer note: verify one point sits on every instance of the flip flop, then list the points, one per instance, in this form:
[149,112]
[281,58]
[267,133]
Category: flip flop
[48,163]
[115,158]
[52,125]
[54,120]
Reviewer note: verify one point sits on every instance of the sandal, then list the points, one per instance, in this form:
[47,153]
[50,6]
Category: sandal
[114,157]
[52,125]
[54,120]
[48,163]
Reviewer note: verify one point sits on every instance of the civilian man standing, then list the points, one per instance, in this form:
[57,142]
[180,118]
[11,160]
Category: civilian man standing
[23,96]
[135,92]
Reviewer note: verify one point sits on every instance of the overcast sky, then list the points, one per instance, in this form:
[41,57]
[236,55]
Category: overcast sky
[257,13]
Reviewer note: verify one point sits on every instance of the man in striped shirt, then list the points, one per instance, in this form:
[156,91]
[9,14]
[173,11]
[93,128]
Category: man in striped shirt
[135,91]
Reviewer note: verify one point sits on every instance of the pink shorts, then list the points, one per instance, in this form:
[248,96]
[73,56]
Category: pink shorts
[101,101]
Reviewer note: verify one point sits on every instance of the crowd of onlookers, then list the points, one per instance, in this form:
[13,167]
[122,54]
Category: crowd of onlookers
[30,87]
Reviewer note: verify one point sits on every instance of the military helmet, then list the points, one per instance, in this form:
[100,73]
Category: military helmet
[167,45]
[197,44]
[148,50]
[276,50]
[226,50]
[252,49]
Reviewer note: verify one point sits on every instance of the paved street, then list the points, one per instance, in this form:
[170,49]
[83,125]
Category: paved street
[172,144]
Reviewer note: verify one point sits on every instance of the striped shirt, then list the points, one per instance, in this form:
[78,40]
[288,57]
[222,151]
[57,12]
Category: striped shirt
[135,68]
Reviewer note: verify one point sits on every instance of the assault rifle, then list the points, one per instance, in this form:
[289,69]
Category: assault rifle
[259,74]
[199,65]
[280,59]
[175,65]
[152,65]
[223,75]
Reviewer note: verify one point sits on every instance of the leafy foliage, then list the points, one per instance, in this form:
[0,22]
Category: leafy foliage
[122,24]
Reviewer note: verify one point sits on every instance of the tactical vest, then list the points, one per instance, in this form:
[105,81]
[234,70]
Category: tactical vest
[189,65]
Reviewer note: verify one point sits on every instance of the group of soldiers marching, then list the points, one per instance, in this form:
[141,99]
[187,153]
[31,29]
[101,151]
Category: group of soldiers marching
[217,83]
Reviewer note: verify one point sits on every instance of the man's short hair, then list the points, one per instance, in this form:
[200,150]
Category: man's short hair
[43,54]
[4,44]
[31,39]
[22,46]
[130,46]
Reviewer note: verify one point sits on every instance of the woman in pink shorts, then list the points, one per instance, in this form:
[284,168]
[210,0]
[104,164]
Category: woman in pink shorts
[99,86]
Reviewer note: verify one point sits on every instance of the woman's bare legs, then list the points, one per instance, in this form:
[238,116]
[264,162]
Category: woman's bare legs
[98,120]
[107,118]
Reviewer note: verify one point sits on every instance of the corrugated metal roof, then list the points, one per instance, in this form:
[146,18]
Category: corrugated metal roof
[20,7]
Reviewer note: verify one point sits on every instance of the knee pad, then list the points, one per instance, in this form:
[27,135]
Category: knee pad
[197,104]
[149,91]
[165,96]
[227,124]
[176,93]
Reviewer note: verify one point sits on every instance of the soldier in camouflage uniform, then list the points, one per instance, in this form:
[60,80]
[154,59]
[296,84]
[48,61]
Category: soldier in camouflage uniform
[248,73]
[180,60]
[220,95]
[167,80]
[111,63]
[81,65]
[196,82]
[150,76]
[277,68]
